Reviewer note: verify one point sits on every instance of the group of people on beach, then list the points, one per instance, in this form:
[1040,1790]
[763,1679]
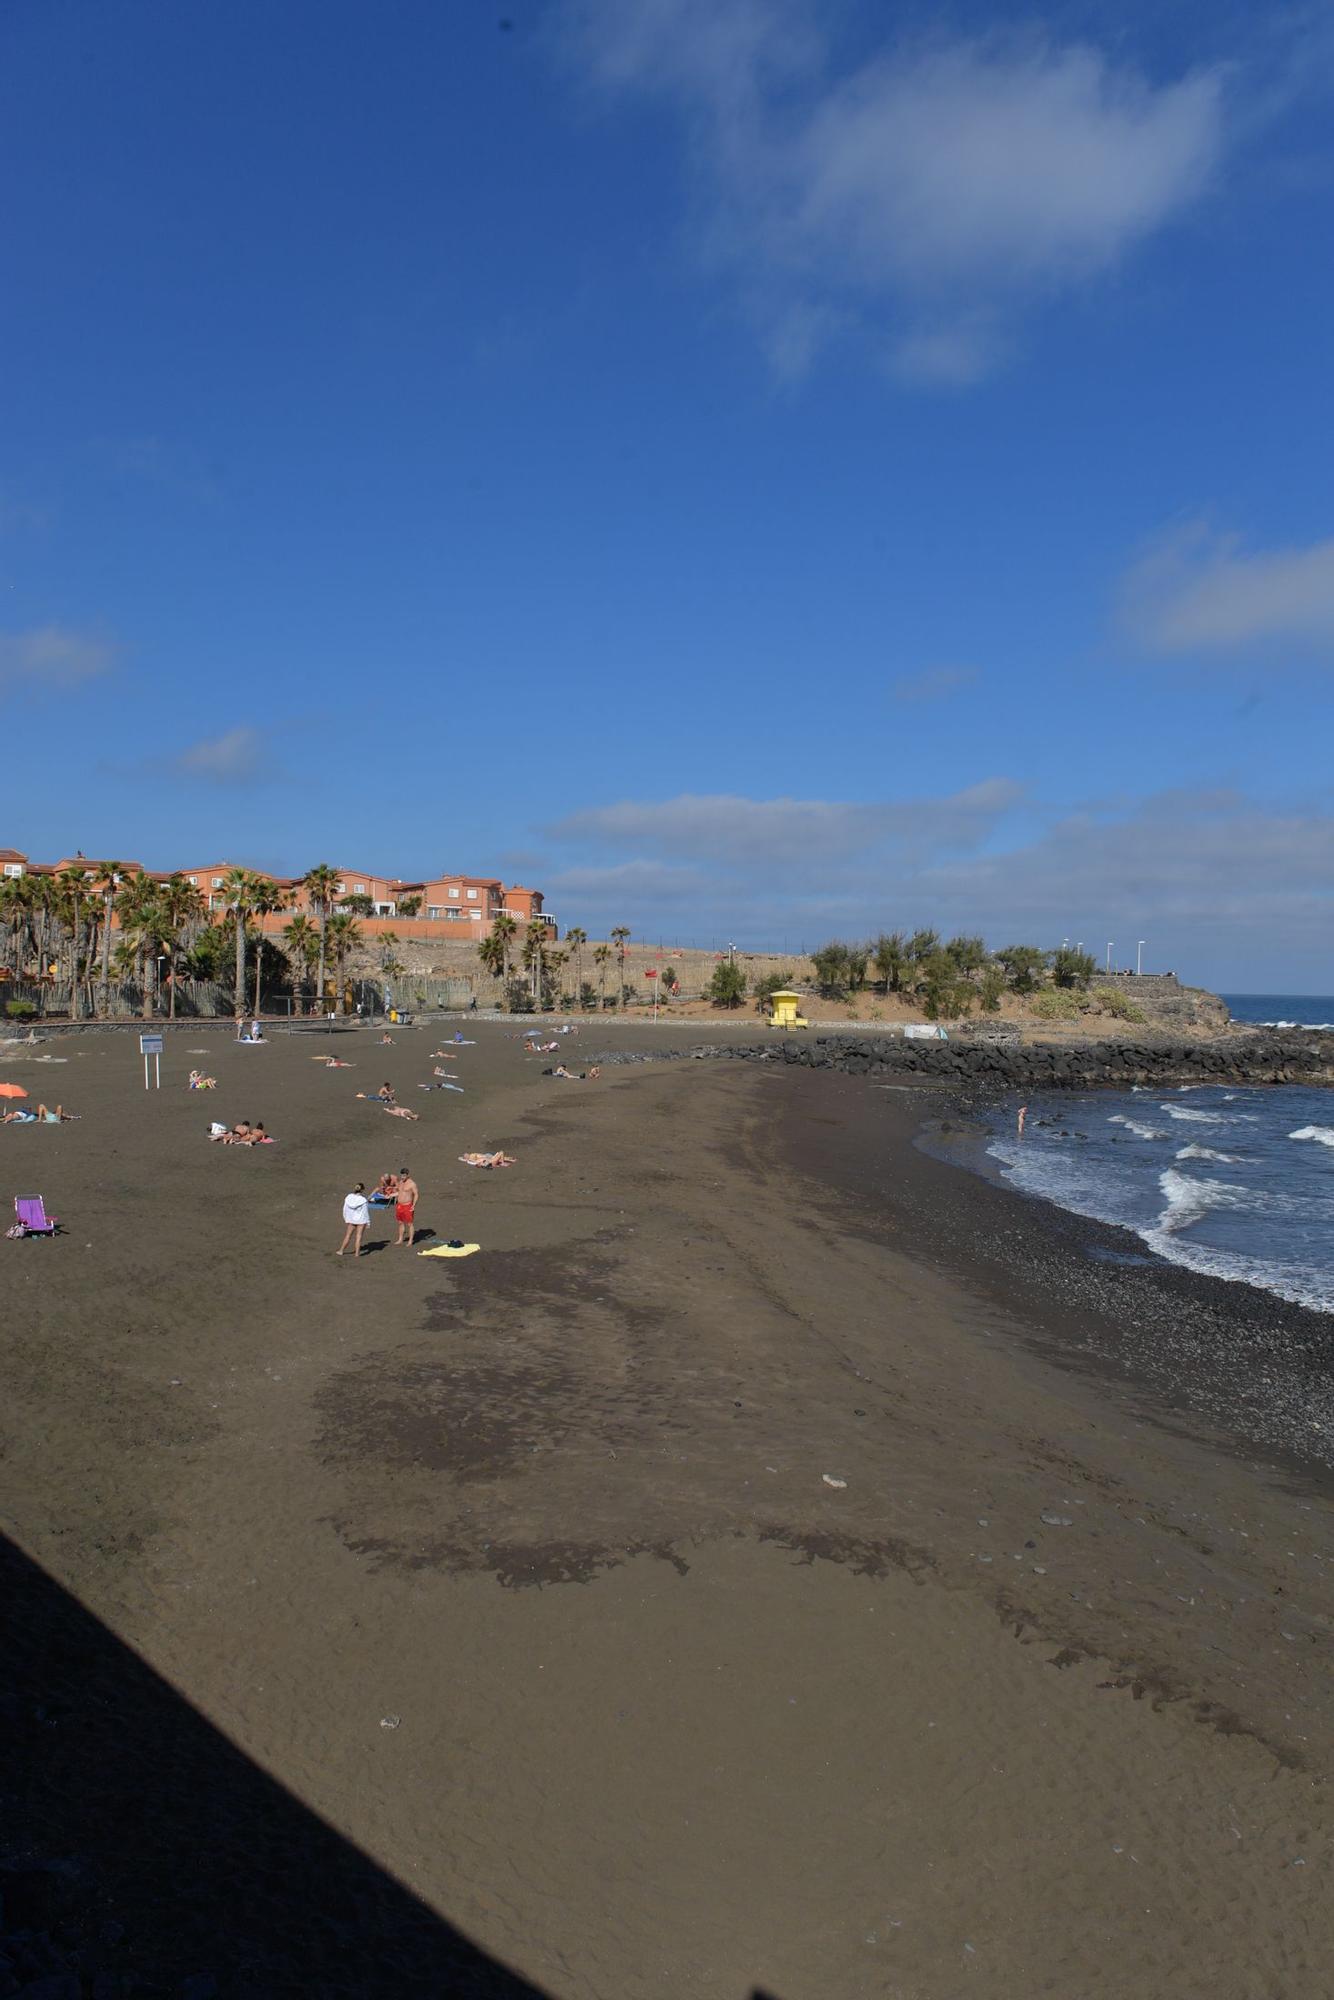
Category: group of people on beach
[21,1115]
[398,1190]
[243,1133]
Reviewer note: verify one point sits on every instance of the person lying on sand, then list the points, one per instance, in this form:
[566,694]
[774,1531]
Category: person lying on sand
[572,1075]
[485,1160]
[401,1111]
[445,1055]
[437,1071]
[18,1116]
[333,1062]
[541,1048]
[198,1081]
[57,1117]
[243,1133]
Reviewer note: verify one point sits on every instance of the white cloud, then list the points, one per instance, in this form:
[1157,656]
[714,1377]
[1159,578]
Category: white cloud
[1198,591]
[237,757]
[934,684]
[1226,889]
[49,658]
[933,190]
[728,831]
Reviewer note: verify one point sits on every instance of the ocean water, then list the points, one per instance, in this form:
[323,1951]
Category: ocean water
[1287,1010]
[1234,1182]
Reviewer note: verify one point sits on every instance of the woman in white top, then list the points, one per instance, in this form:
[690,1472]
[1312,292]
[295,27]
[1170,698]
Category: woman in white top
[357,1215]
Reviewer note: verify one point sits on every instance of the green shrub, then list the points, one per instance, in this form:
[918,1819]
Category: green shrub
[1113,1001]
[990,988]
[20,1010]
[727,988]
[1058,1006]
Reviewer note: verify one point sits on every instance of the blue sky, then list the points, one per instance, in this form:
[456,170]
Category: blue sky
[756,471]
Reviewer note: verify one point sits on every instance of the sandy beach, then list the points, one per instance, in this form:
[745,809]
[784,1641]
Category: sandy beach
[772,1566]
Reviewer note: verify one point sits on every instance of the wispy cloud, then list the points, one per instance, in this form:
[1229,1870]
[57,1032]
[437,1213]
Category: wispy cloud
[1210,877]
[52,658]
[238,757]
[1200,591]
[929,194]
[934,684]
[727,831]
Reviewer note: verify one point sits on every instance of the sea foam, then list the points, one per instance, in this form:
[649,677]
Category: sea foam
[1207,1153]
[1133,1125]
[1322,1134]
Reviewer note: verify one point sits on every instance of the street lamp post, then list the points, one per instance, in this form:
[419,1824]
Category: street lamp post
[1139,956]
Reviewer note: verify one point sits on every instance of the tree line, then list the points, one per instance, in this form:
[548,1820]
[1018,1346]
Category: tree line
[104,926]
[948,977]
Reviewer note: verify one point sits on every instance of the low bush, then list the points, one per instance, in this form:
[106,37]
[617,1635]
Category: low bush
[1058,1006]
[20,1010]
[1113,1001]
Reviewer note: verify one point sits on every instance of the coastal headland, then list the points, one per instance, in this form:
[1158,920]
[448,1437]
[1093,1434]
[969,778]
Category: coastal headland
[778,1563]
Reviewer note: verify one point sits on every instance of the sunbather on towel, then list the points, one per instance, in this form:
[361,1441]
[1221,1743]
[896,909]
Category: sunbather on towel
[401,1111]
[198,1081]
[485,1160]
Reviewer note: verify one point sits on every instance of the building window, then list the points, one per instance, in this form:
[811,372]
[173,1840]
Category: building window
[472,895]
[13,867]
[360,889]
[434,910]
[217,881]
[193,880]
[455,894]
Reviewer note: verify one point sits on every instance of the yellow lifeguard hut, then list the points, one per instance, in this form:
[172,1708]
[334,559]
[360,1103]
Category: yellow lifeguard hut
[785,1013]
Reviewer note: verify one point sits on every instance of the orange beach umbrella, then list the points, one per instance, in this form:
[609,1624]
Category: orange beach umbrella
[11,1090]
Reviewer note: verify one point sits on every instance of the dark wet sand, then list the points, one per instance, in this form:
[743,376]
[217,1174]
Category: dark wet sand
[671,1714]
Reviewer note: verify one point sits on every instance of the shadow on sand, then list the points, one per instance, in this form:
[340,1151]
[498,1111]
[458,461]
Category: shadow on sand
[144,1857]
[141,1853]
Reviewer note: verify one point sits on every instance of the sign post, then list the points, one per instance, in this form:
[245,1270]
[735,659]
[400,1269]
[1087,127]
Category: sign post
[151,1045]
[653,975]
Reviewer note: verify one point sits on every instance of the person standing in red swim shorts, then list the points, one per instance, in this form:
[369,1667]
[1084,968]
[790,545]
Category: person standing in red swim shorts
[405,1209]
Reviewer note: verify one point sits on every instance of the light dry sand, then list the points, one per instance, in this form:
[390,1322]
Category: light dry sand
[671,1714]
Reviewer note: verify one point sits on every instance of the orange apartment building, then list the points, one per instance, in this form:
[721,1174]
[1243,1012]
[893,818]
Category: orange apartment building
[446,901]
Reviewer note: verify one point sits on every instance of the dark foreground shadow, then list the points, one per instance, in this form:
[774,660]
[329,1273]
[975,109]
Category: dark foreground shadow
[142,1854]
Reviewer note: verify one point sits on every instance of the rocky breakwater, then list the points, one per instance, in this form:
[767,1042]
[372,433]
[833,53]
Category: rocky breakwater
[1266,1056]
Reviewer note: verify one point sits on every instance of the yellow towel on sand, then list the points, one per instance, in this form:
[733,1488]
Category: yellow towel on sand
[448,1250]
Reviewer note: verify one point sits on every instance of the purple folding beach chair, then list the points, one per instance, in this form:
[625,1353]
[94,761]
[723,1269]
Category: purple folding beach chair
[33,1219]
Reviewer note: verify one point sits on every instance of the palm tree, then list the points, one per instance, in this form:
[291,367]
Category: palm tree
[266,900]
[142,923]
[345,935]
[554,963]
[575,940]
[303,944]
[321,885]
[238,886]
[182,912]
[602,959]
[106,880]
[491,951]
[620,937]
[68,900]
[16,902]
[505,929]
[534,945]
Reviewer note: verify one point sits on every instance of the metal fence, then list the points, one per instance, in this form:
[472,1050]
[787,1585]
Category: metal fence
[196,999]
